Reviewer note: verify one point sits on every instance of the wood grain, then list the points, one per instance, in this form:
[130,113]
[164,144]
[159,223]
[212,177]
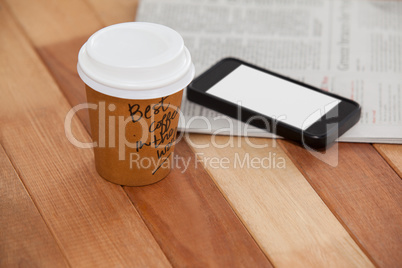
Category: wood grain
[57,50]
[93,221]
[218,238]
[61,60]
[25,238]
[283,213]
[392,153]
[194,225]
[363,192]
[191,220]
[111,12]
[50,21]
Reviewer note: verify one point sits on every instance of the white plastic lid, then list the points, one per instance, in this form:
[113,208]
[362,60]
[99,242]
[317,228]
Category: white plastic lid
[135,60]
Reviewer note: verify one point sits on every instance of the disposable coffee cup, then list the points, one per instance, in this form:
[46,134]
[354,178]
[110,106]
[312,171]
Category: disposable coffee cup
[135,74]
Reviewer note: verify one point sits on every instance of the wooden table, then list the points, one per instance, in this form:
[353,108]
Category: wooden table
[55,210]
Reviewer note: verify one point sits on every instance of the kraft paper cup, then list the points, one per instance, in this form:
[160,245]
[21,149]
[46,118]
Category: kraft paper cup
[135,74]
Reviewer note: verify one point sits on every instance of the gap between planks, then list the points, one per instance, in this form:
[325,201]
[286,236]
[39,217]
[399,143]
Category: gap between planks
[15,198]
[58,56]
[281,210]
[35,103]
[392,153]
[244,251]
[362,191]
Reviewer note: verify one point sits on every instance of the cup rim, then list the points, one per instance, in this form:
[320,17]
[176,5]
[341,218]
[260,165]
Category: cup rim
[166,69]
[138,94]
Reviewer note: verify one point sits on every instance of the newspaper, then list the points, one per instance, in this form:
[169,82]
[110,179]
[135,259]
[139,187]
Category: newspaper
[351,48]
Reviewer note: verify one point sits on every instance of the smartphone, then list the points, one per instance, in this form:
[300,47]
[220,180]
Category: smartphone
[278,104]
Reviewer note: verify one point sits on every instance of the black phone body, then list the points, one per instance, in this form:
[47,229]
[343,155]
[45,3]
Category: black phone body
[274,102]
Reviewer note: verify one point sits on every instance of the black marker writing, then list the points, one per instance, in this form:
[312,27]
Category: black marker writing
[162,135]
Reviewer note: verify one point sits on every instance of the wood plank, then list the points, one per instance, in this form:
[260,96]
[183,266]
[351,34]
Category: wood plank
[116,11]
[217,237]
[363,192]
[392,153]
[48,21]
[191,220]
[211,245]
[284,214]
[60,53]
[93,221]
[25,238]
[61,60]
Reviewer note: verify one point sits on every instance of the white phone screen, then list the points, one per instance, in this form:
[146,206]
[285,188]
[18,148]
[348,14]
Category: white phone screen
[272,96]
